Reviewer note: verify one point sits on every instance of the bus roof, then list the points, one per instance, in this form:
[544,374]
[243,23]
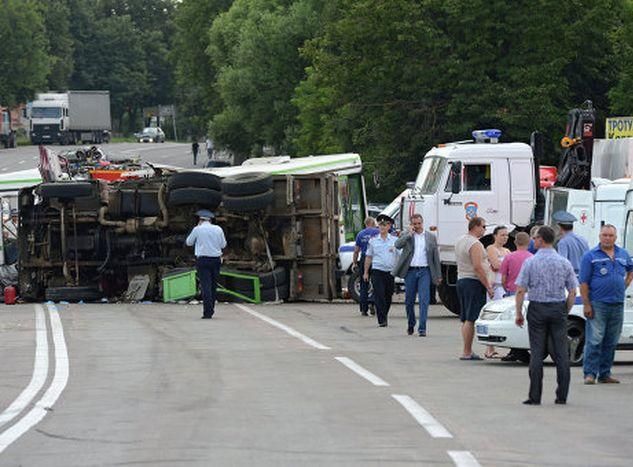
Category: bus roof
[14,181]
[286,165]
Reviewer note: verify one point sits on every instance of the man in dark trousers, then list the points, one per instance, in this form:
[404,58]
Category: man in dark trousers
[380,258]
[209,241]
[195,147]
[606,272]
[546,276]
[360,248]
[419,265]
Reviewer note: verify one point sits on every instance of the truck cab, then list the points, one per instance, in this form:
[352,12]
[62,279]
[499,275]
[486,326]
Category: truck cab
[49,118]
[458,181]
[7,133]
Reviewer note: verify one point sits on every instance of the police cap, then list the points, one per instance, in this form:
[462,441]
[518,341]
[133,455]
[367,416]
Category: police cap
[384,218]
[205,214]
[564,218]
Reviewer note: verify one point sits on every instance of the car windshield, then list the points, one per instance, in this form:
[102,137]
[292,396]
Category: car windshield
[430,174]
[149,131]
[46,112]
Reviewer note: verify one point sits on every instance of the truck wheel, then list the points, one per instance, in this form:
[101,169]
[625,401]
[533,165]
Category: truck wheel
[194,180]
[199,196]
[576,339]
[66,190]
[247,184]
[73,294]
[248,203]
[353,286]
[448,295]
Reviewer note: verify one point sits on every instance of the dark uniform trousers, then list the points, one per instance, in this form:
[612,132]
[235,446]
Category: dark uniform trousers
[208,272]
[383,284]
[547,327]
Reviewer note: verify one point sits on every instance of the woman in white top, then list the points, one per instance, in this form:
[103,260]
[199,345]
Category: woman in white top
[496,252]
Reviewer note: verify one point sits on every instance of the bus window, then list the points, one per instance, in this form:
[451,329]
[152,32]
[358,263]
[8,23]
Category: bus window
[353,204]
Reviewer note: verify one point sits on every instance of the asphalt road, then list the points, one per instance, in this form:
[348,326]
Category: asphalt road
[152,384]
[179,154]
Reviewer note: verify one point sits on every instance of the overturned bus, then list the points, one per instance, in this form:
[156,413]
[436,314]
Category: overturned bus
[284,220]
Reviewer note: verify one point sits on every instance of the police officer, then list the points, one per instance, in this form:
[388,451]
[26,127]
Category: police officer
[380,258]
[570,245]
[360,248]
[209,241]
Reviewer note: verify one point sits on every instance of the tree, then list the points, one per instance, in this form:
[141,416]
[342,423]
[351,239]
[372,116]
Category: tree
[195,74]
[24,63]
[255,48]
[60,42]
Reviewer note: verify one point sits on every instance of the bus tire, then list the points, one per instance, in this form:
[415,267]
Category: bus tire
[203,197]
[247,184]
[66,190]
[194,180]
[248,203]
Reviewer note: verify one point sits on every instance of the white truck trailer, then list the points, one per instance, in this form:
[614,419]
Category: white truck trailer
[71,117]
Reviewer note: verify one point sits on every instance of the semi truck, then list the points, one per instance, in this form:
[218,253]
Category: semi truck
[7,133]
[70,117]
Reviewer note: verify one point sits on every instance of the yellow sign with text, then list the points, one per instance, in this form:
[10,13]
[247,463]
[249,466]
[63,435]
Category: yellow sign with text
[619,127]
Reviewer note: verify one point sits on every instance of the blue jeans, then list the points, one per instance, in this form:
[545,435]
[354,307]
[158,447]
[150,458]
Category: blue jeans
[417,282]
[601,336]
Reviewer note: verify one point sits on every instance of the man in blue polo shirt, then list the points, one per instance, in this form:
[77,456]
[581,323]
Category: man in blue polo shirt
[360,248]
[605,273]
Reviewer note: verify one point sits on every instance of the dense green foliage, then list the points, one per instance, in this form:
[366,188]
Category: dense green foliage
[385,78]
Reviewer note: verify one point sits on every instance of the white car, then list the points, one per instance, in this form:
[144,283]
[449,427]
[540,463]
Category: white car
[496,326]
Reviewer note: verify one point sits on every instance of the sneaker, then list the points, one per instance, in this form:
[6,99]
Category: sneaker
[590,379]
[422,333]
[372,310]
[409,331]
[608,380]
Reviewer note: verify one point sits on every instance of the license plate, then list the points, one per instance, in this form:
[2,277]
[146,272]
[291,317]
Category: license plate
[482,329]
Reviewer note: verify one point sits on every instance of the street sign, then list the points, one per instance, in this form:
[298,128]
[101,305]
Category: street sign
[619,127]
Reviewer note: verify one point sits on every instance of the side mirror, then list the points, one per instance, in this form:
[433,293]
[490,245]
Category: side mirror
[456,177]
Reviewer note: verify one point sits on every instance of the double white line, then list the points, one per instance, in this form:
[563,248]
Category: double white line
[40,375]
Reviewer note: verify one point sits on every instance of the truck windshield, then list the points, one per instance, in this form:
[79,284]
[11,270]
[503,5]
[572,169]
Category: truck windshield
[430,174]
[46,112]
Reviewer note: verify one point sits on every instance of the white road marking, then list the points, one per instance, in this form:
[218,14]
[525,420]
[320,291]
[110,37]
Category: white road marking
[428,422]
[360,371]
[40,370]
[283,327]
[4,169]
[41,408]
[21,162]
[463,459]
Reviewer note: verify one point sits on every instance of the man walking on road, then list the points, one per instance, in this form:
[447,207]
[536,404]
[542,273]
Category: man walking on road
[195,147]
[209,147]
[472,282]
[381,258]
[362,240]
[570,245]
[546,276]
[419,264]
[209,241]
[605,273]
